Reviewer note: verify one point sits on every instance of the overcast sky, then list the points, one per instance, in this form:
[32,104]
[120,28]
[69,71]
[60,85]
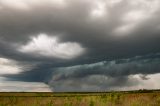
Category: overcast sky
[79,45]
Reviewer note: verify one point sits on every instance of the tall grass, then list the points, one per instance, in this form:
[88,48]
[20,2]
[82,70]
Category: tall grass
[82,99]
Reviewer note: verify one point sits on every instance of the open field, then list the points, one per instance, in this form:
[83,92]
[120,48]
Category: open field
[127,98]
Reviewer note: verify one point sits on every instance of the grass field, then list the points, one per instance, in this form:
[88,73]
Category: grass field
[127,98]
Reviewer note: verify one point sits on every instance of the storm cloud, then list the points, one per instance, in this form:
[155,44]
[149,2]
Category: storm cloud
[69,44]
[106,74]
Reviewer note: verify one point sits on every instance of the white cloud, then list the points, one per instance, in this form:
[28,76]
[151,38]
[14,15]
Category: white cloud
[48,46]
[59,2]
[138,11]
[15,4]
[8,66]
[114,2]
[124,29]
[150,6]
[27,4]
[135,16]
[99,9]
[150,83]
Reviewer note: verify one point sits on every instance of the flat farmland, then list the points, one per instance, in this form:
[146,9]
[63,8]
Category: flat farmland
[125,98]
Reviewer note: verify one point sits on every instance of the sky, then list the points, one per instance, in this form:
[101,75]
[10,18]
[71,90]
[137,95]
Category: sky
[79,45]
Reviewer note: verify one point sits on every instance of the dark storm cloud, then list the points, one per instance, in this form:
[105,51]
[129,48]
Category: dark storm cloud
[114,68]
[91,83]
[46,17]
[74,22]
[106,30]
[105,75]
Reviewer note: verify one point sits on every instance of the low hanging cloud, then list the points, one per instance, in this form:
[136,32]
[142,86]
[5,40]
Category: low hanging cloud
[114,68]
[106,75]
[48,46]
[105,83]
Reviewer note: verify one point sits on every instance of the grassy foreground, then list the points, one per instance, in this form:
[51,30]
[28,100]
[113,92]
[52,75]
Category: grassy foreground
[132,98]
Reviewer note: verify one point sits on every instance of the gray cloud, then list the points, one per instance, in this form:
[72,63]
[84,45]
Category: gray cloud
[104,75]
[110,31]
[19,86]
[76,25]
[114,68]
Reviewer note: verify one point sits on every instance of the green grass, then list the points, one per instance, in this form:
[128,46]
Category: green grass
[132,98]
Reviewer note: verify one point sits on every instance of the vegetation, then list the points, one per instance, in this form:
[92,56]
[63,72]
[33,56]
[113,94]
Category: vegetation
[125,98]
